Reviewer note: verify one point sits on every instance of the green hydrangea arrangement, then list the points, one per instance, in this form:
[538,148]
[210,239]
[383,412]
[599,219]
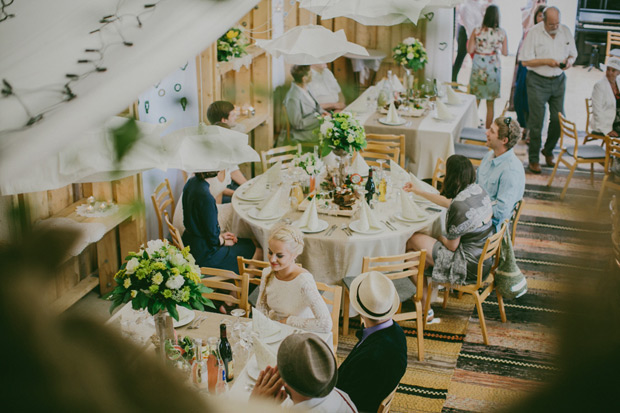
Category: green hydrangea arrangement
[231,45]
[410,53]
[341,131]
[160,277]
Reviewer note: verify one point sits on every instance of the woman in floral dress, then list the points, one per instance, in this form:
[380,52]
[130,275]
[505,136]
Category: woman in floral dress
[486,42]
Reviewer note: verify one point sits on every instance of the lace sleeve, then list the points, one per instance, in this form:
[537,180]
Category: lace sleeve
[322,322]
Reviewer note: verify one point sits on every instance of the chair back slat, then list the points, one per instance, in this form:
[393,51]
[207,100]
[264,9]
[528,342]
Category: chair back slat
[439,174]
[613,39]
[514,220]
[491,247]
[336,292]
[568,130]
[177,241]
[410,263]
[162,198]
[375,152]
[223,280]
[280,153]
[392,141]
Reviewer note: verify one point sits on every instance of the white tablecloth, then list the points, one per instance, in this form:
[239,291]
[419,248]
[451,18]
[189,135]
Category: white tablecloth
[331,258]
[426,139]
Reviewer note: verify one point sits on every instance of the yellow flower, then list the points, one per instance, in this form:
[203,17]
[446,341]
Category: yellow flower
[231,34]
[158,278]
[134,293]
[127,283]
[167,293]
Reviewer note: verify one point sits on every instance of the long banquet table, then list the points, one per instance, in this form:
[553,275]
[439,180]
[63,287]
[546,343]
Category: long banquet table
[426,138]
[331,258]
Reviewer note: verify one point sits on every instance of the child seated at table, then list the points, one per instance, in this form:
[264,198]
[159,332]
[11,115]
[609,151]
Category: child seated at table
[288,293]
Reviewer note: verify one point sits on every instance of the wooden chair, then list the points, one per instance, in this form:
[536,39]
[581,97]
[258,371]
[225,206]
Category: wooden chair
[588,154]
[439,174]
[384,407]
[375,152]
[491,249]
[281,153]
[613,39]
[389,141]
[162,198]
[224,280]
[514,220]
[478,136]
[407,273]
[177,241]
[254,271]
[474,153]
[587,135]
[612,154]
[336,292]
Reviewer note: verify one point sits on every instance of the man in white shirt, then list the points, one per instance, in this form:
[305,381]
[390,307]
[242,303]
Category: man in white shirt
[307,372]
[605,98]
[325,88]
[468,16]
[548,50]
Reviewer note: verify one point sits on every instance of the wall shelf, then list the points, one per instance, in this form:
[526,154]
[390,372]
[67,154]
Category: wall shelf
[253,50]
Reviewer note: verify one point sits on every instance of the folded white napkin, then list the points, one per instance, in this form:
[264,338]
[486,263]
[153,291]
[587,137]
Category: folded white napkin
[264,356]
[453,97]
[397,173]
[274,174]
[258,188]
[397,86]
[330,160]
[392,115]
[409,209]
[359,166]
[442,110]
[262,325]
[272,206]
[310,218]
[368,221]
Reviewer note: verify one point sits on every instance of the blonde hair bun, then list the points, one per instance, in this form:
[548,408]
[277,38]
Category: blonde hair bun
[290,235]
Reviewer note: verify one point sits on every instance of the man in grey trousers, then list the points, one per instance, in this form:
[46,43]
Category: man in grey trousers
[548,50]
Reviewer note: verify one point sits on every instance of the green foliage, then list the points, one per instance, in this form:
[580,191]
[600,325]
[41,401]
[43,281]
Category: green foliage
[124,138]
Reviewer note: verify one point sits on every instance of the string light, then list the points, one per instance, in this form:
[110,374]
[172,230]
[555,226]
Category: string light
[94,58]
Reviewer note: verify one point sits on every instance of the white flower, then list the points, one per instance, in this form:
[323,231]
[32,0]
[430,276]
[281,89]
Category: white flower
[132,265]
[409,56]
[158,278]
[351,139]
[174,283]
[398,51]
[153,246]
[310,169]
[325,127]
[409,41]
[178,260]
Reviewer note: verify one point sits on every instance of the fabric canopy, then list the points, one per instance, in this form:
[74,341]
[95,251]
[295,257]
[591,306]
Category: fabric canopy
[311,44]
[46,39]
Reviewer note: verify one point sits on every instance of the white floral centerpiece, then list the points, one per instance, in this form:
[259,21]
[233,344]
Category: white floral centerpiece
[410,53]
[158,278]
[231,45]
[309,163]
[341,132]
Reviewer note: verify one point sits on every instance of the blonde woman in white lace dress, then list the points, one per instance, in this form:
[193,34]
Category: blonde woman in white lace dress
[288,293]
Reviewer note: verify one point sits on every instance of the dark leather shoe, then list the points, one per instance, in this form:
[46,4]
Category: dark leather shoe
[534,168]
[549,160]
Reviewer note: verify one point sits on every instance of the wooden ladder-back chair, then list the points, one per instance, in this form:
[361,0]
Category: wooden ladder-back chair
[612,155]
[613,39]
[375,152]
[407,273]
[280,153]
[439,174]
[585,154]
[177,241]
[587,134]
[254,270]
[224,283]
[389,141]
[491,249]
[514,220]
[162,198]
[336,292]
[384,407]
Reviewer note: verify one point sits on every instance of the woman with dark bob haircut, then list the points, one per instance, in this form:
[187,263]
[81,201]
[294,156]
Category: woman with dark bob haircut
[455,255]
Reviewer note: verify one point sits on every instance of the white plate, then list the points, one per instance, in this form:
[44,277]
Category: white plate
[242,197]
[402,218]
[385,122]
[252,213]
[185,317]
[322,227]
[355,227]
[252,369]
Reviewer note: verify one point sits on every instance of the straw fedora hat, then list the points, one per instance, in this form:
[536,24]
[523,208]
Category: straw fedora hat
[307,365]
[373,295]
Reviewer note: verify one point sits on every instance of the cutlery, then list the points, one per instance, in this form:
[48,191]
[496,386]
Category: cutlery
[197,322]
[331,230]
[390,226]
[346,230]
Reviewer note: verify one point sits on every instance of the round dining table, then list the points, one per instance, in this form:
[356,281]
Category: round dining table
[334,253]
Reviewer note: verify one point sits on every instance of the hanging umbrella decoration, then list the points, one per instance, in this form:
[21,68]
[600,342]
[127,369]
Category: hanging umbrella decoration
[311,44]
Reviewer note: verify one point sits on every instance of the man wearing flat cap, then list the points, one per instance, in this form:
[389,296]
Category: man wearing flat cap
[379,360]
[308,371]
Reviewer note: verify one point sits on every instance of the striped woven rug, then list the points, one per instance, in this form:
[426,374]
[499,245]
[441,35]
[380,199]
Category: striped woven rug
[553,246]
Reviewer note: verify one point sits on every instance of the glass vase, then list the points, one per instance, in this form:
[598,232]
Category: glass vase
[164,330]
[344,160]
[312,185]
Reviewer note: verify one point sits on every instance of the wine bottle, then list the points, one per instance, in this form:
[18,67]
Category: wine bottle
[370,186]
[226,353]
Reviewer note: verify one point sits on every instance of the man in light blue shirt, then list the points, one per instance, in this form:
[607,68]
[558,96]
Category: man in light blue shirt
[501,173]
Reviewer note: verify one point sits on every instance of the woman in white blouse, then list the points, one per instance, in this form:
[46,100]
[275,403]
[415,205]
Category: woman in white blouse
[288,293]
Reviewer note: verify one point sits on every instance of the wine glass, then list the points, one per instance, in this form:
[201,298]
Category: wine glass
[237,313]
